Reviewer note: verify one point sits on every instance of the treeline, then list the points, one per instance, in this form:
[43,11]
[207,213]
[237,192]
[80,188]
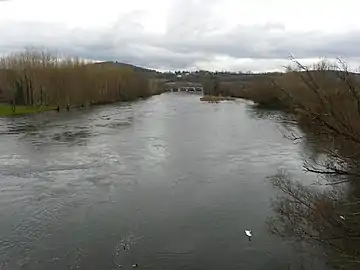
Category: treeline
[215,84]
[326,92]
[38,77]
[219,82]
[323,100]
[223,76]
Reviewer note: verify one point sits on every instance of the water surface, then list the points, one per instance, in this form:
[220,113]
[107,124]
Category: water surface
[167,183]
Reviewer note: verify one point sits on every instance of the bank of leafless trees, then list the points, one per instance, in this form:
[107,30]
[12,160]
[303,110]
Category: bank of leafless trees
[40,77]
[322,110]
[324,101]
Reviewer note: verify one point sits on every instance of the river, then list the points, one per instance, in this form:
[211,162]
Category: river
[166,183]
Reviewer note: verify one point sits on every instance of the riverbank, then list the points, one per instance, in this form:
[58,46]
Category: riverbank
[7,110]
[34,77]
[318,97]
[323,105]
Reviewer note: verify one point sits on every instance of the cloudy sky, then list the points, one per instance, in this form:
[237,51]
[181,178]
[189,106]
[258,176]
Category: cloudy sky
[237,35]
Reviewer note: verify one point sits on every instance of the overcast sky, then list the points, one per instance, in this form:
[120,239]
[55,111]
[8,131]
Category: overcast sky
[236,35]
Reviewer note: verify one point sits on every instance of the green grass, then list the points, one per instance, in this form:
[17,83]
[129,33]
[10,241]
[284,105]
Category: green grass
[5,109]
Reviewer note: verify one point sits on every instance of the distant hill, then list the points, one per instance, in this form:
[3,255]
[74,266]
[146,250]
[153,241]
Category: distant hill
[200,76]
[195,76]
[149,72]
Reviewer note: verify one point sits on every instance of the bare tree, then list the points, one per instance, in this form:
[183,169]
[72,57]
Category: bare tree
[27,77]
[327,109]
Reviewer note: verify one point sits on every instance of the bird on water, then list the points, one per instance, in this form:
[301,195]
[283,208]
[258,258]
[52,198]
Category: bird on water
[248,234]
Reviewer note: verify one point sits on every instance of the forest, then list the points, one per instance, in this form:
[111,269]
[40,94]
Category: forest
[42,79]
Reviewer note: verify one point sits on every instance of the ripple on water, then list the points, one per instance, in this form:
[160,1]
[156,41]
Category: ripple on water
[172,179]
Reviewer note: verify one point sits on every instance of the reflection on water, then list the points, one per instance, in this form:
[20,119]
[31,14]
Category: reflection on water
[262,113]
[320,217]
[174,180]
[321,213]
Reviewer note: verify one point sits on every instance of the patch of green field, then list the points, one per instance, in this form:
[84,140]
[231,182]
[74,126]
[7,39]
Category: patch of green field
[6,110]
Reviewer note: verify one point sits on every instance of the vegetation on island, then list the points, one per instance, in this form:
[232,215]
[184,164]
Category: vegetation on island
[213,92]
[36,80]
[215,99]
[219,98]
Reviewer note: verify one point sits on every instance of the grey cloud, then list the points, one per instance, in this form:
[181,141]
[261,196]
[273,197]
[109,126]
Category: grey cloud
[191,38]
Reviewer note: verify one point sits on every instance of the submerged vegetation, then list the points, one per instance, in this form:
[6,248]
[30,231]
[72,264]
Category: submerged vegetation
[40,79]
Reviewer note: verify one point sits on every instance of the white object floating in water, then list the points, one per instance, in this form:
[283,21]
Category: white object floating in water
[248,233]
[342,217]
[135,265]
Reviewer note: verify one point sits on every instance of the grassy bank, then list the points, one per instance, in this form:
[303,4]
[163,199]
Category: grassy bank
[6,110]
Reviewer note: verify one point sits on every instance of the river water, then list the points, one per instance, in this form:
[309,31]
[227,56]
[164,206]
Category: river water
[166,183]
